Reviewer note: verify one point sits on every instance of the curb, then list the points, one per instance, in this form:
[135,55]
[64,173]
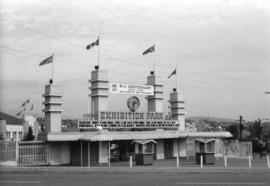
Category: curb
[126,169]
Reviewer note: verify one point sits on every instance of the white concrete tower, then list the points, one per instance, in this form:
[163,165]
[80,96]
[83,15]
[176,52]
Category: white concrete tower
[99,91]
[53,108]
[178,108]
[155,102]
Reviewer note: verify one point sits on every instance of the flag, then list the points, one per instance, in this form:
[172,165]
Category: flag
[151,49]
[23,105]
[46,61]
[32,107]
[95,43]
[18,114]
[174,72]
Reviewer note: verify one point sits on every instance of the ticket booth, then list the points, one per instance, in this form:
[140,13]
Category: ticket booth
[206,149]
[144,151]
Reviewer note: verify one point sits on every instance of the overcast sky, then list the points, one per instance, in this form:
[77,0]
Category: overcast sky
[221,49]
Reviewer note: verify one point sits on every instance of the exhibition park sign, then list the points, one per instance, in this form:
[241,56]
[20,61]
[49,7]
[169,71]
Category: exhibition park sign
[108,119]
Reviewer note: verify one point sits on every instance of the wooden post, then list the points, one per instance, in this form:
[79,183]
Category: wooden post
[178,160]
[249,161]
[49,153]
[17,153]
[225,161]
[100,153]
[89,154]
[268,163]
[130,161]
[109,154]
[81,155]
[201,161]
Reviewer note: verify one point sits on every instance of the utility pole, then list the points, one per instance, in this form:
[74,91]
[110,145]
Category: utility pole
[260,133]
[240,127]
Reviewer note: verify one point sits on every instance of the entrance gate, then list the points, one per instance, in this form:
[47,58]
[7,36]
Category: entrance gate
[7,151]
[33,153]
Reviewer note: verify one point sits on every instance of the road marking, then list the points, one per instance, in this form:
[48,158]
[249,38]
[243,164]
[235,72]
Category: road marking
[218,183]
[21,182]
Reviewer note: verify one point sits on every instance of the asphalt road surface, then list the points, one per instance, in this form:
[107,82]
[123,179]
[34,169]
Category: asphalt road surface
[136,178]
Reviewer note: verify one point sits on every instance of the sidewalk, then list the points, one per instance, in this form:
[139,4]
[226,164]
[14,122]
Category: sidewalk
[169,165]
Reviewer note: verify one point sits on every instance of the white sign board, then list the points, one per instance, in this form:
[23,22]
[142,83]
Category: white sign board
[121,88]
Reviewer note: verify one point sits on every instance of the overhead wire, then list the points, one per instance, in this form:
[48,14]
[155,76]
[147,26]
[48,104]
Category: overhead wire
[62,61]
[76,45]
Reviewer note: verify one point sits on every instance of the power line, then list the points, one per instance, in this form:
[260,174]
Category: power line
[62,61]
[78,46]
[75,45]
[125,74]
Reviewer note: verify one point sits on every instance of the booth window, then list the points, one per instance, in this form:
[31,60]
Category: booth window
[210,147]
[148,148]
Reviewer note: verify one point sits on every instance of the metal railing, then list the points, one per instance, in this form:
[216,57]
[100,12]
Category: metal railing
[32,153]
[7,151]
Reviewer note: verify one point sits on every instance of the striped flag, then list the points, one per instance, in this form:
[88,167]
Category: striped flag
[173,73]
[151,49]
[46,61]
[95,43]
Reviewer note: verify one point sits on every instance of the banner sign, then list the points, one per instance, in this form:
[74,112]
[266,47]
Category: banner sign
[121,88]
[165,124]
[132,116]
[109,120]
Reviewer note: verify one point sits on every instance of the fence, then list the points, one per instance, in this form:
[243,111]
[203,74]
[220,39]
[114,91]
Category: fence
[234,148]
[32,153]
[7,151]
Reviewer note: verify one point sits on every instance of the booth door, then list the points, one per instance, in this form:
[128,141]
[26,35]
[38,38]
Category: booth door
[168,148]
[94,146]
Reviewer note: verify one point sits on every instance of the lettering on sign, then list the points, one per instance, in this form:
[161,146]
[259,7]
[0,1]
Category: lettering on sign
[121,88]
[104,115]
[88,124]
[109,120]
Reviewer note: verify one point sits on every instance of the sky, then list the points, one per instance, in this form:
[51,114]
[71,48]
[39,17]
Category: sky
[220,48]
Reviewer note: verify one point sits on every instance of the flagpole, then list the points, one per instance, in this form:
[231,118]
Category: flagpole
[155,62]
[176,79]
[98,51]
[29,107]
[52,68]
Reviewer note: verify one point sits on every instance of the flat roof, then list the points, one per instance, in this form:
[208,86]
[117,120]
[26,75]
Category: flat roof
[134,135]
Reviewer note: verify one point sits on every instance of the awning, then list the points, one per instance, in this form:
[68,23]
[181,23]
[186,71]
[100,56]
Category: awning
[205,140]
[143,135]
[223,134]
[143,141]
[64,136]
[134,135]
[97,137]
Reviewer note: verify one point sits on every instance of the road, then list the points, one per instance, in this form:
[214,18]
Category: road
[162,178]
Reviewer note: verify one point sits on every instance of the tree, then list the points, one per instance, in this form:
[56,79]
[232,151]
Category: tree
[29,135]
[233,129]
